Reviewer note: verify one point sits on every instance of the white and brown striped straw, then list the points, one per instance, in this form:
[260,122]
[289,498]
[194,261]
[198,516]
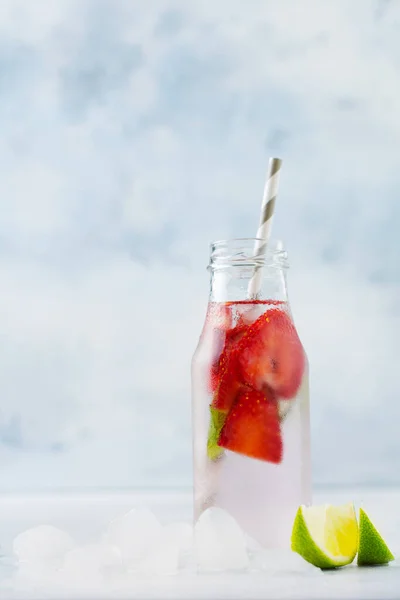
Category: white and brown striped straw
[264,228]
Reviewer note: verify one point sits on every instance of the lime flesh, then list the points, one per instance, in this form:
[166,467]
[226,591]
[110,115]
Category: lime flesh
[326,536]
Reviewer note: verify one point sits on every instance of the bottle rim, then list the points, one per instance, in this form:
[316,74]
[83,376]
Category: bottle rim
[248,252]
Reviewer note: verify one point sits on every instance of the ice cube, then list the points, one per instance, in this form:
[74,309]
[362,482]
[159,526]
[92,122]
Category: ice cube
[134,533]
[89,568]
[220,544]
[173,543]
[181,534]
[43,543]
[161,559]
[252,545]
[41,576]
[35,571]
[92,558]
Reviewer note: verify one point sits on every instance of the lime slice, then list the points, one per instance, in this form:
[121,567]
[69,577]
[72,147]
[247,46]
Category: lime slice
[217,419]
[372,549]
[326,536]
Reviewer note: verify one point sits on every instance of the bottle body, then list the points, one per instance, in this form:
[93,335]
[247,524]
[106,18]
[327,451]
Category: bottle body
[250,407]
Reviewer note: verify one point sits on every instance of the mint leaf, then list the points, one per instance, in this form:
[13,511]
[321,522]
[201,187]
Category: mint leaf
[217,420]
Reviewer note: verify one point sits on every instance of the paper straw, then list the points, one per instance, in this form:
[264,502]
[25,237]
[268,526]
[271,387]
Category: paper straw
[264,228]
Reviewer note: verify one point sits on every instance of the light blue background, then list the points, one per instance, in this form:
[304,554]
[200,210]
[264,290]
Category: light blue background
[132,134]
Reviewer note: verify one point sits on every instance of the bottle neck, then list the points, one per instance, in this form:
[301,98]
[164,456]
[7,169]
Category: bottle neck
[239,271]
[232,284]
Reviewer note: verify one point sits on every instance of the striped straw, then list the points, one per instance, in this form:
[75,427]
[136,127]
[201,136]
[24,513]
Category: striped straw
[264,228]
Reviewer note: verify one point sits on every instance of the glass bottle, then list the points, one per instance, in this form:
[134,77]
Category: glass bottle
[250,397]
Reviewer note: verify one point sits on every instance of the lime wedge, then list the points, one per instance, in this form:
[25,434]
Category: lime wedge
[217,420]
[326,536]
[372,549]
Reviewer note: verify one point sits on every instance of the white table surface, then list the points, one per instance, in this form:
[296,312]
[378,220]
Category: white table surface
[85,516]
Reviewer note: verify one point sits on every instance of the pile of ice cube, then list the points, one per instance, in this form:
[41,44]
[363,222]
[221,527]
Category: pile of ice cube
[136,546]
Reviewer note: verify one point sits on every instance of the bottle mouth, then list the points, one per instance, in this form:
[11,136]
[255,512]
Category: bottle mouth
[248,252]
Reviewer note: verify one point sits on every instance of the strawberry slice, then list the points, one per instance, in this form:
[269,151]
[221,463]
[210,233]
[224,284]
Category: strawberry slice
[252,427]
[271,355]
[227,391]
[220,319]
[220,367]
[231,338]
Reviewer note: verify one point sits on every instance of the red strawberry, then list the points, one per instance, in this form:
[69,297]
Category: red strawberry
[213,381]
[231,338]
[252,427]
[220,368]
[271,355]
[219,317]
[227,391]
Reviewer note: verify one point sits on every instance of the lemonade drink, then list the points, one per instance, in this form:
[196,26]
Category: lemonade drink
[250,398]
